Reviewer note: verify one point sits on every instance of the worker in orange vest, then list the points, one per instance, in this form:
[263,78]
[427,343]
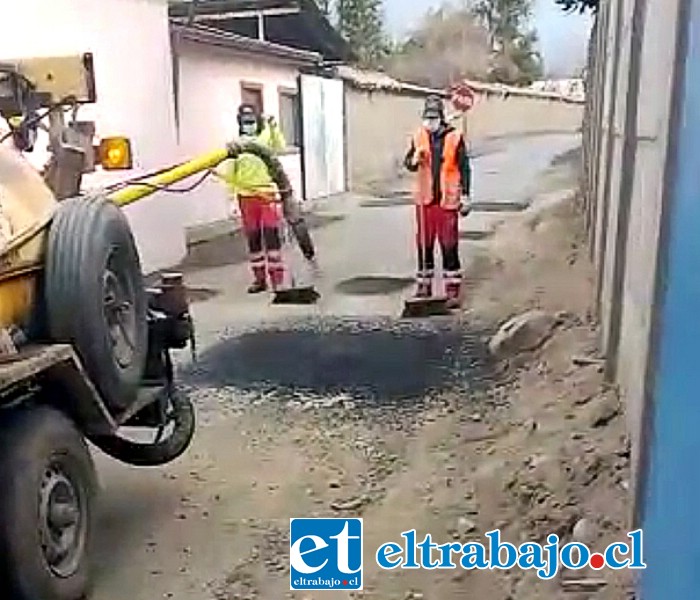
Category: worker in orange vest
[438,155]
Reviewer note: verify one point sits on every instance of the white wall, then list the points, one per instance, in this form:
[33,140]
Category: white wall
[324,136]
[210,93]
[130,43]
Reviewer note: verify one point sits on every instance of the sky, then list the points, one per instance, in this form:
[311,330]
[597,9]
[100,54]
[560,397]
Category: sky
[563,37]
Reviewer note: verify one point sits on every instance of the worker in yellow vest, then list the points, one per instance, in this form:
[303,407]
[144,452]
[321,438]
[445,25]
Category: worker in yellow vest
[439,158]
[251,183]
[271,136]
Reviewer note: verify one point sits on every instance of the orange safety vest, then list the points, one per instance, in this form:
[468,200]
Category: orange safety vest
[450,177]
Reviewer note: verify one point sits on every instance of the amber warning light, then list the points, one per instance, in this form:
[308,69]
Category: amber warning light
[115,153]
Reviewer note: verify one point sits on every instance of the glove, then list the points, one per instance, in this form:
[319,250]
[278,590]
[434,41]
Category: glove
[421,157]
[465,206]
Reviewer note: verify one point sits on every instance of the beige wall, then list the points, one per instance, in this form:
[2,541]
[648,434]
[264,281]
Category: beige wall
[380,124]
[379,127]
[498,115]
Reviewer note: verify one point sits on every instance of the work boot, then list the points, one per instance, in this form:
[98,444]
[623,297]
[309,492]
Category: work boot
[257,287]
[259,284]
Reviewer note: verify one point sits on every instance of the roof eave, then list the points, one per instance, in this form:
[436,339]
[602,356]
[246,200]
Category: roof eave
[217,38]
[338,46]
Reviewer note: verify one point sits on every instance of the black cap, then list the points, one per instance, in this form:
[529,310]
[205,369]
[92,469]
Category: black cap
[247,114]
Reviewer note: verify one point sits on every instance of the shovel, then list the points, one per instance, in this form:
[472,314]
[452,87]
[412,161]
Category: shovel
[295,294]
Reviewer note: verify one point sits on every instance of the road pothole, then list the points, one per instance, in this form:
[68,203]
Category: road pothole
[199,294]
[389,199]
[491,207]
[475,236]
[373,285]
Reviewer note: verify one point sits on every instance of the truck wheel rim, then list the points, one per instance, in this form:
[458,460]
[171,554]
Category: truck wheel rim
[62,522]
[119,313]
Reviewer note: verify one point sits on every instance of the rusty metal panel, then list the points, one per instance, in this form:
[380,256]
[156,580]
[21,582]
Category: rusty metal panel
[57,368]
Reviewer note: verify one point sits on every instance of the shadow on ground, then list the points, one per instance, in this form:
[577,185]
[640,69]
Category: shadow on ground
[379,362]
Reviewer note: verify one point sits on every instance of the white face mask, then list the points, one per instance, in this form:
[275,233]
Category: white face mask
[248,130]
[431,125]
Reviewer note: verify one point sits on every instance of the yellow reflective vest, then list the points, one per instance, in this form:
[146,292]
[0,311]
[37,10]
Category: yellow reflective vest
[247,175]
[272,137]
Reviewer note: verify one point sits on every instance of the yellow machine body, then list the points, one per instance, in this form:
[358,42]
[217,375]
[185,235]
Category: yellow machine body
[27,203]
[26,208]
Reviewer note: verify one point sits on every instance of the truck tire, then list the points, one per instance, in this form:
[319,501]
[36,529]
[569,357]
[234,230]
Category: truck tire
[94,295]
[46,502]
[144,454]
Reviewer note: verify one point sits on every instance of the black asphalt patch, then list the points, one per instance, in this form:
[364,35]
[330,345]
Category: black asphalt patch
[373,285]
[377,362]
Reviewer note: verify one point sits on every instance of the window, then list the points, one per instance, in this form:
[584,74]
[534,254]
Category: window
[253,94]
[290,117]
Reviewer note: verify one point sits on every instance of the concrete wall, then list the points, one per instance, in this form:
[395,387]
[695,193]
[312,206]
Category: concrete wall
[632,80]
[380,123]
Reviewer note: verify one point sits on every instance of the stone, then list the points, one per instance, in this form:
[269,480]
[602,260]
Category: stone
[583,532]
[522,333]
[465,526]
[605,411]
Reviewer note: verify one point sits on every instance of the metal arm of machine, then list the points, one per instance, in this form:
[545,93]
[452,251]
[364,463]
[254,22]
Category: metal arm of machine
[138,190]
[133,191]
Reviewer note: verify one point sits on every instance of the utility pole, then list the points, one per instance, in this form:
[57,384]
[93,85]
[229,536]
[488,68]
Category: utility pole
[192,12]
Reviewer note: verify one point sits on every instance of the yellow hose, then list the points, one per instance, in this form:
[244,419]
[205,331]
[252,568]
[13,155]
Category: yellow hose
[137,190]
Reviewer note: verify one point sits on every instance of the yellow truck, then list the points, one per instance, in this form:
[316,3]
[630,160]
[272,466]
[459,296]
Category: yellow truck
[85,347]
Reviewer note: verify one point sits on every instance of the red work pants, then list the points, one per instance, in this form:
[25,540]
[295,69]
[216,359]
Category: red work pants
[262,225]
[435,223]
